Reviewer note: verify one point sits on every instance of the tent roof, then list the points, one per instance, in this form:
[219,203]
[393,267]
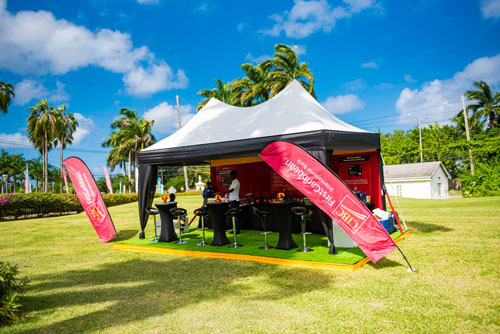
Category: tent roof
[219,129]
[293,110]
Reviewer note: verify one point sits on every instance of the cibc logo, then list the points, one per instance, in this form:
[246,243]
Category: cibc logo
[349,212]
[96,213]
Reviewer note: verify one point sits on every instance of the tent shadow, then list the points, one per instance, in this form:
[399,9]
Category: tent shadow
[428,228]
[156,288]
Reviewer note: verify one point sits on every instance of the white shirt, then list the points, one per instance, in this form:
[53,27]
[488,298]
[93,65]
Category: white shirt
[235,194]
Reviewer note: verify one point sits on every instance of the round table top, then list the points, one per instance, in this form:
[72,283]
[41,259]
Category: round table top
[168,203]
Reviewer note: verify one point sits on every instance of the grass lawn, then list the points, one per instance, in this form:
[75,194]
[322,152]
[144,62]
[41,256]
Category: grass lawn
[79,285]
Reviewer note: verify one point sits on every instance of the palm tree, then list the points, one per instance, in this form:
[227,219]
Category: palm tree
[65,127]
[6,95]
[486,106]
[36,170]
[285,68]
[41,130]
[253,88]
[221,93]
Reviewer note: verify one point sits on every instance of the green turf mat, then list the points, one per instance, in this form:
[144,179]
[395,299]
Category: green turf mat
[252,240]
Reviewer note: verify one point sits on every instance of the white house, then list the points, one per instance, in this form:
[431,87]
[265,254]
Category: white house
[420,180]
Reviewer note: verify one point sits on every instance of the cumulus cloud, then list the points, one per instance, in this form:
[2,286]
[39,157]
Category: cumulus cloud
[490,9]
[38,43]
[85,128]
[16,139]
[308,17]
[371,64]
[355,84]
[31,89]
[256,60]
[164,116]
[343,104]
[148,2]
[441,98]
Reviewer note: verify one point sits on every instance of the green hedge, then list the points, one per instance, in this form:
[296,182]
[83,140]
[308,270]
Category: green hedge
[40,204]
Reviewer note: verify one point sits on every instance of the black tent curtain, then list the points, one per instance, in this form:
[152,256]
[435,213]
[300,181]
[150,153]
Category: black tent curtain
[325,156]
[147,188]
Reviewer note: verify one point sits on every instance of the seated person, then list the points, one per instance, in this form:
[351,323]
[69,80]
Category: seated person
[183,219]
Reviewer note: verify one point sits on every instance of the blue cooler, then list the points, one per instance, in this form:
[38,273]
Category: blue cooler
[388,224]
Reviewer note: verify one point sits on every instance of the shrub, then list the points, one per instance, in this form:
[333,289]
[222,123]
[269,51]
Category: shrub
[39,204]
[10,289]
[484,182]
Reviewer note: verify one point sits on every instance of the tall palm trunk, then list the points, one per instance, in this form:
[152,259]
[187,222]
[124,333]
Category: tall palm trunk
[130,170]
[45,167]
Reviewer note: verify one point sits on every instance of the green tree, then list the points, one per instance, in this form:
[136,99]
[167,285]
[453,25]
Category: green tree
[6,95]
[221,93]
[284,68]
[253,88]
[41,132]
[486,105]
[36,170]
[65,127]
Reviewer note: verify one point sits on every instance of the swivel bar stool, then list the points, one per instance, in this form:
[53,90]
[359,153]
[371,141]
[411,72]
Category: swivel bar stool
[304,215]
[178,213]
[202,213]
[233,213]
[263,216]
[154,212]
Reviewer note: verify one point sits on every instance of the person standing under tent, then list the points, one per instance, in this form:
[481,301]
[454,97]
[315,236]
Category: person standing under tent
[234,195]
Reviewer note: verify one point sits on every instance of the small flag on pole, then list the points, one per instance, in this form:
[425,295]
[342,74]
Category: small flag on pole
[27,187]
[108,180]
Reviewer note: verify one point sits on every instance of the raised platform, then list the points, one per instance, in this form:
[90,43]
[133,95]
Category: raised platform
[349,259]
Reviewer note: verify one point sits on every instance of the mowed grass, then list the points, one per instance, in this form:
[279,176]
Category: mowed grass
[81,286]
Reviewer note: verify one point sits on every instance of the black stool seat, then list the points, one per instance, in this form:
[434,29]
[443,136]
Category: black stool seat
[154,212]
[263,216]
[202,213]
[178,213]
[233,213]
[304,215]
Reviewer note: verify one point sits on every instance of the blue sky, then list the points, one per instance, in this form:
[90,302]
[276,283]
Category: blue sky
[374,61]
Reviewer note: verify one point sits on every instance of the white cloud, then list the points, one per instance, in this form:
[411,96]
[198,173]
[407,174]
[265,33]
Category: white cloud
[371,64]
[240,26]
[203,7]
[408,78]
[384,85]
[148,2]
[441,98]
[31,89]
[256,60]
[308,17]
[343,104]
[38,43]
[16,139]
[355,84]
[164,116]
[490,9]
[85,127]
[300,49]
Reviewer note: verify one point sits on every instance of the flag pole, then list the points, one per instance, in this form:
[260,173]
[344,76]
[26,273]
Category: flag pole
[404,257]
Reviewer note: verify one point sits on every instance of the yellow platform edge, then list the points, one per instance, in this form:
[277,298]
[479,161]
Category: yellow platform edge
[244,257]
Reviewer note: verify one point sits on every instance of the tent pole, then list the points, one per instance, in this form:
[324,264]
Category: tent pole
[404,257]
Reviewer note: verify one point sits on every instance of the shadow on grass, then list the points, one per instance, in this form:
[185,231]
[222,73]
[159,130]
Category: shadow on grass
[428,228]
[385,263]
[126,234]
[126,292]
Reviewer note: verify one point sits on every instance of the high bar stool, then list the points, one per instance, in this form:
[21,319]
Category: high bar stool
[154,212]
[233,213]
[304,215]
[263,216]
[178,213]
[202,213]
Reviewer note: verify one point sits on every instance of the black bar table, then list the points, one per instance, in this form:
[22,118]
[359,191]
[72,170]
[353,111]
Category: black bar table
[217,211]
[167,231]
[282,213]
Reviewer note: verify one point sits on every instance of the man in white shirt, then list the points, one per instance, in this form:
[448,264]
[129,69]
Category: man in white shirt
[234,195]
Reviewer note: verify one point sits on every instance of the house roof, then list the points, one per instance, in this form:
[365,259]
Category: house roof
[413,171]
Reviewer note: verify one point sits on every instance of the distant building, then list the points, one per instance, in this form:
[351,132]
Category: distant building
[421,180]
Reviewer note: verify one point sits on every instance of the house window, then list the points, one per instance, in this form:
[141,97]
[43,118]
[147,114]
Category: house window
[439,189]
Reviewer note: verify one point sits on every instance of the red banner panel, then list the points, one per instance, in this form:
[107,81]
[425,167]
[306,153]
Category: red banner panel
[331,195]
[90,198]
